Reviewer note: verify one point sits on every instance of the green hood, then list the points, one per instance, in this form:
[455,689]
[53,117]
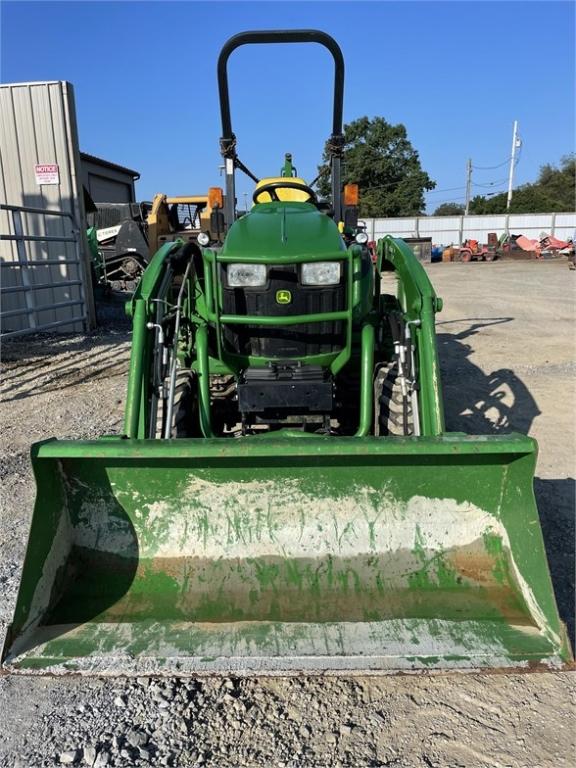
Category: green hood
[283,229]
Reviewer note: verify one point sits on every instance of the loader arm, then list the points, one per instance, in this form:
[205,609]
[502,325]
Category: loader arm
[419,304]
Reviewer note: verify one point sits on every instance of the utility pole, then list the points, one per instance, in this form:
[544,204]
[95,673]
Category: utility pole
[468,185]
[515,145]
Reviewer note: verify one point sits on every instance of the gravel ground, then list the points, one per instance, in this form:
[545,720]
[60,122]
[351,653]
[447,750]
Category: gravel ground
[506,343]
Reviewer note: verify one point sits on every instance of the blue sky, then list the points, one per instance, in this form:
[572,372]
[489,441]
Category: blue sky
[457,74]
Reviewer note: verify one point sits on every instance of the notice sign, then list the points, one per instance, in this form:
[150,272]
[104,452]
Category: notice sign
[47,174]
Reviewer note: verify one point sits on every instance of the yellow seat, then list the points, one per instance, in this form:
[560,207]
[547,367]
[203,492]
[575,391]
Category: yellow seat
[285,194]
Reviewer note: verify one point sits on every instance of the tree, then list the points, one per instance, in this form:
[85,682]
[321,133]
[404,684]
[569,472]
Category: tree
[554,190]
[379,158]
[449,209]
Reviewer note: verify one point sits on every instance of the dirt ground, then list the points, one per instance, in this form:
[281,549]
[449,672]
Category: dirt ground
[506,343]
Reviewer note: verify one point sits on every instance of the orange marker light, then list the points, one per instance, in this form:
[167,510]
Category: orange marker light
[215,197]
[351,194]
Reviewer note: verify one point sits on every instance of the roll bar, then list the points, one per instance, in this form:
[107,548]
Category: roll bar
[228,140]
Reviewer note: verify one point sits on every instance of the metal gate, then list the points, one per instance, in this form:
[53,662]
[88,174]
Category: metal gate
[42,272]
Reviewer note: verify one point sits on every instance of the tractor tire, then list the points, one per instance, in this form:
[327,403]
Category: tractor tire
[394,420]
[185,421]
[185,409]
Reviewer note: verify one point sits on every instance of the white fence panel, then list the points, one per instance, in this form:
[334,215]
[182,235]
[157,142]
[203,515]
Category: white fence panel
[380,227]
[435,228]
[447,230]
[531,226]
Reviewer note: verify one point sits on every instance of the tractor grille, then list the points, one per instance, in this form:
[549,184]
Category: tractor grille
[294,341]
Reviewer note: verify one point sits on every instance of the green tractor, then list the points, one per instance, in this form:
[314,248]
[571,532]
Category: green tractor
[285,497]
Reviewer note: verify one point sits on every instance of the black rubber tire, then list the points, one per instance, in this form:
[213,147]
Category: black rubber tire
[392,419]
[185,409]
[185,414]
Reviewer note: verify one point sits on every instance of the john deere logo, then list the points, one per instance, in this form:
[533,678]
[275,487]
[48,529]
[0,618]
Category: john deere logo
[283,297]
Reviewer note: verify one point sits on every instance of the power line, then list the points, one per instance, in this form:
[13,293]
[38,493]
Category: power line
[448,189]
[490,183]
[449,200]
[463,197]
[495,183]
[487,184]
[397,183]
[437,191]
[383,186]
[491,167]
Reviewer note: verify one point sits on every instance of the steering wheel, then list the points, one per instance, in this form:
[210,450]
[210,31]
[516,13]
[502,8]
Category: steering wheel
[274,185]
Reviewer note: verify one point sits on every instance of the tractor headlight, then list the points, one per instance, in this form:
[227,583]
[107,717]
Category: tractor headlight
[362,238]
[321,273]
[246,275]
[203,238]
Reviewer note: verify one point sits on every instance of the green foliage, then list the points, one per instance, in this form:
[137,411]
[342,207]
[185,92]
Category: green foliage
[554,190]
[449,209]
[379,158]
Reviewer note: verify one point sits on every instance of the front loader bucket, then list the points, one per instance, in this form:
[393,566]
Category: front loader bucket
[280,555]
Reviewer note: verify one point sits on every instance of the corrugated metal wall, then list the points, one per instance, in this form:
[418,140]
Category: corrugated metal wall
[446,230]
[38,126]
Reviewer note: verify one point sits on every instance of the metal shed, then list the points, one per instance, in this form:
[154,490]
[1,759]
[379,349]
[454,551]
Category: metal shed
[44,257]
[107,182]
